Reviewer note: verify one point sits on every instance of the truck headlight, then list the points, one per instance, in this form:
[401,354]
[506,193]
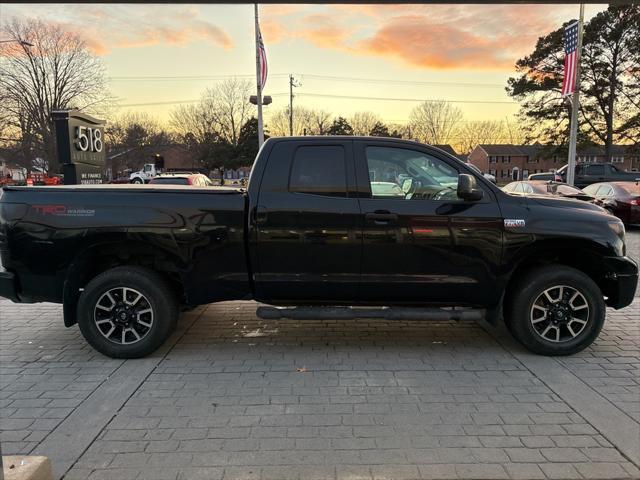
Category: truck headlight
[617,227]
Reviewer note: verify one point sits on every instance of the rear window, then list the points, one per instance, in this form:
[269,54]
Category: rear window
[320,170]
[568,190]
[170,181]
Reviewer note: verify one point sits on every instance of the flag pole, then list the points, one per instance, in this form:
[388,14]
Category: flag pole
[258,81]
[575,105]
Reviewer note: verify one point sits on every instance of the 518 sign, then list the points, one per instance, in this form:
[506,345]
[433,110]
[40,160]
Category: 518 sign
[88,139]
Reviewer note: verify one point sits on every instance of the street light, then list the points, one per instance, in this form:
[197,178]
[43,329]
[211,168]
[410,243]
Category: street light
[266,100]
[21,42]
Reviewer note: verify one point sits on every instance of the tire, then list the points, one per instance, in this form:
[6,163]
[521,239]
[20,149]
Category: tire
[546,315]
[127,312]
[136,180]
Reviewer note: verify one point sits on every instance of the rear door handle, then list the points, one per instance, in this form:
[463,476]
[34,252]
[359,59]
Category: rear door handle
[381,217]
[260,214]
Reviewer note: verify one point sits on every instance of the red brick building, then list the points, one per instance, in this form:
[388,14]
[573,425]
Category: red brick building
[509,162]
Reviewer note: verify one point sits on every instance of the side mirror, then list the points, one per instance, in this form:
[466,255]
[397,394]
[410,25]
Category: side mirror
[467,188]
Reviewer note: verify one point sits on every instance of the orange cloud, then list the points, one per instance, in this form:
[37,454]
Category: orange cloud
[321,30]
[417,41]
[476,37]
[162,35]
[272,31]
[114,26]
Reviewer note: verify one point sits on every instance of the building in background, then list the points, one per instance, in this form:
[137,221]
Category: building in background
[508,162]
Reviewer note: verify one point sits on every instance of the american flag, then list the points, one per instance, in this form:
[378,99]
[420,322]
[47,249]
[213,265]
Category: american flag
[570,58]
[263,61]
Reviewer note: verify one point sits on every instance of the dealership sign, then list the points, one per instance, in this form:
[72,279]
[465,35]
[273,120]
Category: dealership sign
[80,145]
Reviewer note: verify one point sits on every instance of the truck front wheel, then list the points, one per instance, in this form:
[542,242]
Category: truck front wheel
[136,180]
[127,312]
[556,310]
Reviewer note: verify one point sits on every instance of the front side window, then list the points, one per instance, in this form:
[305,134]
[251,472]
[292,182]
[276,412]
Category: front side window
[406,174]
[319,170]
[595,170]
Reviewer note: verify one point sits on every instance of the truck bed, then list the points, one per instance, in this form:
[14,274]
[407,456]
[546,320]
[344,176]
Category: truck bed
[199,232]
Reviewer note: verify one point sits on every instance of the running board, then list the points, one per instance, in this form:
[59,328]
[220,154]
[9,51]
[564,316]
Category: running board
[386,313]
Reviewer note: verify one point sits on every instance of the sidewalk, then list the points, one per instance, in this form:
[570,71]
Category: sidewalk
[231,396]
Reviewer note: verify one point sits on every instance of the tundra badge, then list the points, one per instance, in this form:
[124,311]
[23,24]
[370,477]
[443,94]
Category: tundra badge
[514,222]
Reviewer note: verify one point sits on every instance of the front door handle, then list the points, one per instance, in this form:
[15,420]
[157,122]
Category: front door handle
[381,217]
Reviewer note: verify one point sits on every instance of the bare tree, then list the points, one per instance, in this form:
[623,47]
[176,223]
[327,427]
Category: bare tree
[192,124]
[220,114]
[227,105]
[363,122]
[58,72]
[435,122]
[514,133]
[473,133]
[305,121]
[278,123]
[320,122]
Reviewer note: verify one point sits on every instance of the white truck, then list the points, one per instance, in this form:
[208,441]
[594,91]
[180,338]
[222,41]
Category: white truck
[145,175]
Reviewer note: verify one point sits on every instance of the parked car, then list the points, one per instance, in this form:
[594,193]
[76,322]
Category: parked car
[622,199]
[588,173]
[311,231]
[547,176]
[540,187]
[193,179]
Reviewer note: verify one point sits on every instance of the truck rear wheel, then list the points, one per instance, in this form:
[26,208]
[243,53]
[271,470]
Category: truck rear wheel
[127,312]
[556,310]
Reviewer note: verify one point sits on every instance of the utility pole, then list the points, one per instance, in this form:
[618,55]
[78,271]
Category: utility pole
[575,105]
[258,80]
[292,83]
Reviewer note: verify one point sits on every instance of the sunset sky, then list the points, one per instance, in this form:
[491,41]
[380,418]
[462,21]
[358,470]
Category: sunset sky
[461,53]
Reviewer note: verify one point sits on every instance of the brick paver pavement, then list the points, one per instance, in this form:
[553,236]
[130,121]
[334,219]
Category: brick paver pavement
[232,396]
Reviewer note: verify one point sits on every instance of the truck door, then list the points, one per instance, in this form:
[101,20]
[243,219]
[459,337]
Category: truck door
[307,222]
[590,174]
[421,243]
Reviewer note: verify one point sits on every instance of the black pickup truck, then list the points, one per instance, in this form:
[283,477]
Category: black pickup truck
[324,221]
[589,173]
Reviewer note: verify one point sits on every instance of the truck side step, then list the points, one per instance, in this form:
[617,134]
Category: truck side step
[387,313]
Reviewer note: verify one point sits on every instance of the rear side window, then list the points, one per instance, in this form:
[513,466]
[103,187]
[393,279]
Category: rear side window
[319,170]
[604,191]
[595,169]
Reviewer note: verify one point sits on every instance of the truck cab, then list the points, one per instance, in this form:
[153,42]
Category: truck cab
[145,174]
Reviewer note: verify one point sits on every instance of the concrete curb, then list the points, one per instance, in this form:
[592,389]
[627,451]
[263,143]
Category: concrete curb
[26,468]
